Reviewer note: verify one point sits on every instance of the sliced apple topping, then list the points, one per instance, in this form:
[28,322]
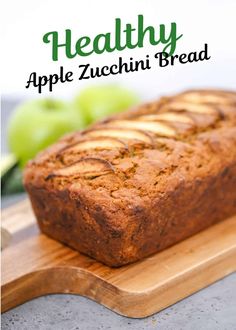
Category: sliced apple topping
[168,116]
[86,168]
[192,107]
[154,127]
[204,97]
[96,143]
[121,134]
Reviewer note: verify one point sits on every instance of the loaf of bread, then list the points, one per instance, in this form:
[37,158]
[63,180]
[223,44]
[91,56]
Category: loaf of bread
[141,181]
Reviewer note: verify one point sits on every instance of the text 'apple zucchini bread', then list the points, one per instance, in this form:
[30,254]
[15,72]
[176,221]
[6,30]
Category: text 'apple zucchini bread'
[141,181]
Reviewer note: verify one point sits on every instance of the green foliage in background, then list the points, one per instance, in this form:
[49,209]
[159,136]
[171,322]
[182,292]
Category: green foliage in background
[97,102]
[36,124]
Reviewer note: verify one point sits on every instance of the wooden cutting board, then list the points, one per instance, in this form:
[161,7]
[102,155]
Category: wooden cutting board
[34,265]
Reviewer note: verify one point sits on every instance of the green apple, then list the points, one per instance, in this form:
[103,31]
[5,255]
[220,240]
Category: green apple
[36,124]
[97,102]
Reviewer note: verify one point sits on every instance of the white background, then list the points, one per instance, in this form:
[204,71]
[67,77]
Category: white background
[25,22]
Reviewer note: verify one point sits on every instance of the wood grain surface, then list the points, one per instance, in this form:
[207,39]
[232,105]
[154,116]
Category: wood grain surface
[34,265]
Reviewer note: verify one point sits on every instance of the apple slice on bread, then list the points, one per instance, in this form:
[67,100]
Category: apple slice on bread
[154,127]
[191,107]
[169,117]
[86,168]
[216,98]
[101,143]
[120,133]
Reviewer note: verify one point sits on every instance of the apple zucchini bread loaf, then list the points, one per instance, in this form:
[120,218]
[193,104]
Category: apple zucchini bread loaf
[141,181]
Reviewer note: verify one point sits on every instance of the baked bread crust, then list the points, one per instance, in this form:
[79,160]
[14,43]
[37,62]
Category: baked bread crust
[140,181]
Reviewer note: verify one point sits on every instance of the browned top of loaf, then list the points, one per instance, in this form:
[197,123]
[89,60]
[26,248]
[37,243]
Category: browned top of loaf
[143,153]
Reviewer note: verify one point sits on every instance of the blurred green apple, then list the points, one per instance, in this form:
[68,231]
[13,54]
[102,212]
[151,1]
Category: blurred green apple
[36,124]
[97,102]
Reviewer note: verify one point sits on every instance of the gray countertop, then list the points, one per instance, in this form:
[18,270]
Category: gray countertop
[212,308]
